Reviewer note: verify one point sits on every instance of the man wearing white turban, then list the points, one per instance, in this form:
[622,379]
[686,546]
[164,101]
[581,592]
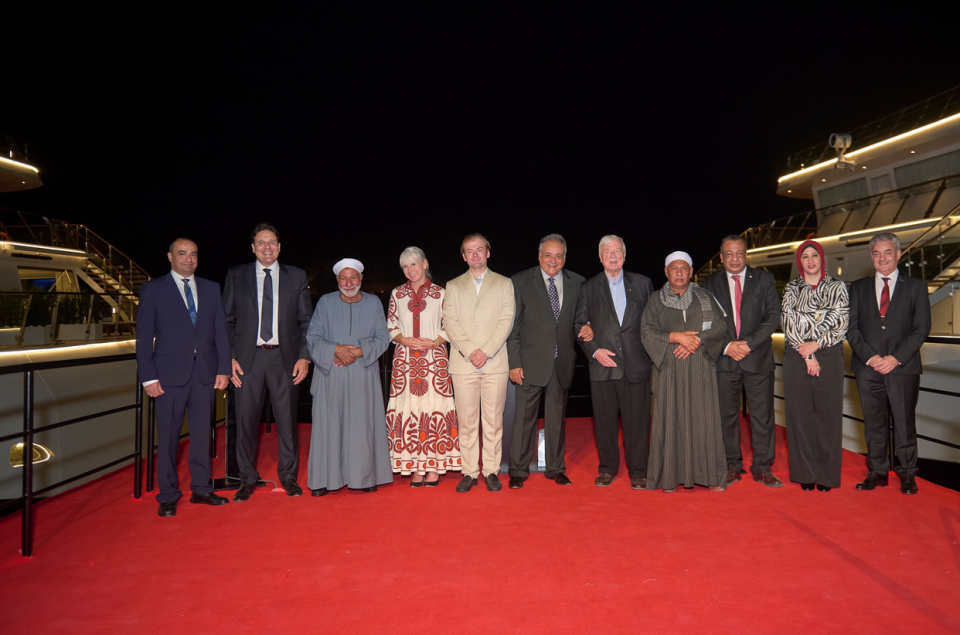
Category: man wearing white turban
[348,333]
[683,329]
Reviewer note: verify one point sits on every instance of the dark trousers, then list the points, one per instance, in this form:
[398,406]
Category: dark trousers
[633,403]
[880,397]
[267,373]
[195,399]
[523,444]
[814,413]
[759,389]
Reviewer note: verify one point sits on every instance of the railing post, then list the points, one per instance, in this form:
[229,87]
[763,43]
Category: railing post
[151,423]
[26,531]
[138,443]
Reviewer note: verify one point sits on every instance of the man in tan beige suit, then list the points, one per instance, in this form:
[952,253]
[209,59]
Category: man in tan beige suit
[478,316]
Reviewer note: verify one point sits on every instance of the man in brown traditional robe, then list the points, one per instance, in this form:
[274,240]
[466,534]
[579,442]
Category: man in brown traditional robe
[682,330]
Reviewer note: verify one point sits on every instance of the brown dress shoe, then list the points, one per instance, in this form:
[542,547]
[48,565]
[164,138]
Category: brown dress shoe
[768,479]
[604,480]
[733,476]
[638,483]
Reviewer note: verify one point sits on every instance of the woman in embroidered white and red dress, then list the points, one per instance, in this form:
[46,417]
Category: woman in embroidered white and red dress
[421,415]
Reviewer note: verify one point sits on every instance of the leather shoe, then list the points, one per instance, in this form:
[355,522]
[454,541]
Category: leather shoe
[605,480]
[823,488]
[323,491]
[807,487]
[638,483]
[561,479]
[209,499]
[466,484]
[167,510]
[244,493]
[515,482]
[768,479]
[493,483]
[908,485]
[733,476]
[369,490]
[293,490]
[872,481]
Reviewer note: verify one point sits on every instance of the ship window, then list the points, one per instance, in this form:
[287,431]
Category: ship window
[832,199]
[927,170]
[881,184]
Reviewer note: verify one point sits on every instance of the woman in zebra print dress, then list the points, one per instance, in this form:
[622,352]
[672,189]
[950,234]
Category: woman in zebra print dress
[815,316]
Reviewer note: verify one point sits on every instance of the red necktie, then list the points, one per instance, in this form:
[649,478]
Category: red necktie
[739,296]
[885,298]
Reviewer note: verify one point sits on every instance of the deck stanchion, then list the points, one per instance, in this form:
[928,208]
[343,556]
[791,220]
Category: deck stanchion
[151,424]
[138,444]
[26,537]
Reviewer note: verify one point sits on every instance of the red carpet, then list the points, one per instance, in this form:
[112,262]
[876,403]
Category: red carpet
[544,559]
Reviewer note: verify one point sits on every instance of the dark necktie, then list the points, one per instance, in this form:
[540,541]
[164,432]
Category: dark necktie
[555,305]
[739,293]
[266,308]
[191,305]
[885,298]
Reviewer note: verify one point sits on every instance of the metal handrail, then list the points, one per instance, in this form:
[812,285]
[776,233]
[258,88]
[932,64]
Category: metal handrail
[26,500]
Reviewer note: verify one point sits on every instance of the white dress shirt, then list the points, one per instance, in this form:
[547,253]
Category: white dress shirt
[557,280]
[732,285]
[478,282]
[261,276]
[892,282]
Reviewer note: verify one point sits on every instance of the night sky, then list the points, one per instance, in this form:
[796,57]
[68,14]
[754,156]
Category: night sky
[361,128]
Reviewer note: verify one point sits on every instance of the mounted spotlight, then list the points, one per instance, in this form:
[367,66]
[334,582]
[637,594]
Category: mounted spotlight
[40,454]
[841,143]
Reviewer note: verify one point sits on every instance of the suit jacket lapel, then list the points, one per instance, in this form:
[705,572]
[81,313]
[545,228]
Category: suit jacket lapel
[541,288]
[178,297]
[251,280]
[567,303]
[723,297]
[487,282]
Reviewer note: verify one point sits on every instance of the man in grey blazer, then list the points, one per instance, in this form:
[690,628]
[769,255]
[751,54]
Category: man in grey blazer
[889,321]
[749,299]
[268,310]
[612,302]
[541,355]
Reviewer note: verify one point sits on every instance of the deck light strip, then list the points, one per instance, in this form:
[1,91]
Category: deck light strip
[29,246]
[876,145]
[872,230]
[18,164]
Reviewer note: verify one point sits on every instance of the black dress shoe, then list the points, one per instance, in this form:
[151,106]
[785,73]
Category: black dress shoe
[323,491]
[638,483]
[493,483]
[244,493]
[822,488]
[167,510]
[427,483]
[414,483]
[561,479]
[807,487]
[293,490]
[908,485]
[368,489]
[209,499]
[872,481]
[515,482]
[466,484]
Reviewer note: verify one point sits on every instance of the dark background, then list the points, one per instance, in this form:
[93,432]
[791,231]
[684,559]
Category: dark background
[361,128]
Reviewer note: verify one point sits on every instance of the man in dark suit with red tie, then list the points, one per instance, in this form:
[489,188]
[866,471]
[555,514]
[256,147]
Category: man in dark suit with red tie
[183,358]
[889,321]
[749,298]
[268,311]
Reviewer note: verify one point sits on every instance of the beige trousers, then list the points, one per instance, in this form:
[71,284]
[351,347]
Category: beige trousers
[480,399]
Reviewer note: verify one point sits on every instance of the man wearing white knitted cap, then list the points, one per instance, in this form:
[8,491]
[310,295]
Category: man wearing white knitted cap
[683,329]
[348,333]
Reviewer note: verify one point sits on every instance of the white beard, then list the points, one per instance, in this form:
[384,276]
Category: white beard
[350,292]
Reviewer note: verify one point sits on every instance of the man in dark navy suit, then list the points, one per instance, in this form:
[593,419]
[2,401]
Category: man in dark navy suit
[183,357]
[749,298]
[889,321]
[268,310]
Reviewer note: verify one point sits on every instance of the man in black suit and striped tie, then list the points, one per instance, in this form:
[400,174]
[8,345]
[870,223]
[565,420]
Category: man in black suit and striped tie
[889,321]
[542,356]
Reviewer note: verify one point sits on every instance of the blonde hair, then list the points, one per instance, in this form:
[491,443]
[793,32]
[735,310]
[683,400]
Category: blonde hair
[414,254]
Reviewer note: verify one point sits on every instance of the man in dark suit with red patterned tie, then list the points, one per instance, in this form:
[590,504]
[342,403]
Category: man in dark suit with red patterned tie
[749,298]
[889,321]
[183,357]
